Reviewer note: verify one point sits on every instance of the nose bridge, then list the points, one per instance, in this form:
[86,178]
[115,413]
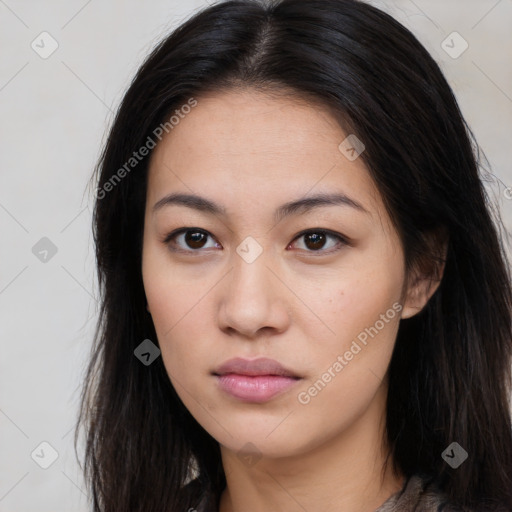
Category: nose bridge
[250,275]
[251,299]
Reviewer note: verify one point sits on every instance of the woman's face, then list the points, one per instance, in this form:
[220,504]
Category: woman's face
[246,282]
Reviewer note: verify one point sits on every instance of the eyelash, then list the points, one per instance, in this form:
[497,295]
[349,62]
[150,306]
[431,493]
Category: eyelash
[342,241]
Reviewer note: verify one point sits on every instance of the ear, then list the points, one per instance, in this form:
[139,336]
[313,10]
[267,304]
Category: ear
[427,273]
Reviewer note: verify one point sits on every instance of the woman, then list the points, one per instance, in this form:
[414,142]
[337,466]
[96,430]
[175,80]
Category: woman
[305,299]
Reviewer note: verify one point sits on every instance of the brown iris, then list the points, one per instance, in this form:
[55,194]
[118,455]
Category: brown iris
[195,239]
[314,240]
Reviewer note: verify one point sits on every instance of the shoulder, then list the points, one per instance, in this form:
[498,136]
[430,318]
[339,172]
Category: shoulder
[418,494]
[421,494]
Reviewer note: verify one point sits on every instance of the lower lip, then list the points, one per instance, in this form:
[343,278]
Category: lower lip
[258,388]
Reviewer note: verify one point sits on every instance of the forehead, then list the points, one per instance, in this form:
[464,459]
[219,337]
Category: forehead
[246,144]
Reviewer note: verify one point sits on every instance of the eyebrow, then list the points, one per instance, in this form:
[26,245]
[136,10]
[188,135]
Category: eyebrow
[296,207]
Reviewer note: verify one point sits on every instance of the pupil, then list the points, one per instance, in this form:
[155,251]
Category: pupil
[317,240]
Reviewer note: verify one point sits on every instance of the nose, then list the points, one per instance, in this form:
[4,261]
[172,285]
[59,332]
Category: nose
[253,300]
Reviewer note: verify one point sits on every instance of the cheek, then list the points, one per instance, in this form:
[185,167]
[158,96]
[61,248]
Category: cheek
[352,299]
[172,294]
[176,310]
[184,341]
[350,365]
[361,306]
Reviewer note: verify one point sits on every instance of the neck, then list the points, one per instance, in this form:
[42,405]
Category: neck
[344,472]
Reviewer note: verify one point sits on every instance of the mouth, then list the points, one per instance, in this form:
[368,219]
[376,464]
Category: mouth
[257,380]
[254,368]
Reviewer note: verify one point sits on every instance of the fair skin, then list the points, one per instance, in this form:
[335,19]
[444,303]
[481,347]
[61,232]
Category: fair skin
[298,303]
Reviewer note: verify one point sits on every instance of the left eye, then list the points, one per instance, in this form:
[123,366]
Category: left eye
[315,241]
[194,239]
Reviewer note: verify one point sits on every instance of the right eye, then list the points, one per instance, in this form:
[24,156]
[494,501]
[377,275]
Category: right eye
[188,240]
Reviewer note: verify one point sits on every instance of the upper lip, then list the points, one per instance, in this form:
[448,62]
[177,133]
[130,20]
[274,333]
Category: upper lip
[260,366]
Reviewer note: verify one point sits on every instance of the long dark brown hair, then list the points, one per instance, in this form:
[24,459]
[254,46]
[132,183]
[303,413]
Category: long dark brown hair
[450,373]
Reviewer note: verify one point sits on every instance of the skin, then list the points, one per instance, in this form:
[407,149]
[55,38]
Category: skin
[251,153]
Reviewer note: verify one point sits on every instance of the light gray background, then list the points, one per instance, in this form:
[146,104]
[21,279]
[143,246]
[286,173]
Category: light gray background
[54,113]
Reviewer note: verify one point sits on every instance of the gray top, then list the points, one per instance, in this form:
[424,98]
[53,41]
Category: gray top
[417,495]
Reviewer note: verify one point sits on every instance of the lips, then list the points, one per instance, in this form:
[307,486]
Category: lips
[254,367]
[257,380]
